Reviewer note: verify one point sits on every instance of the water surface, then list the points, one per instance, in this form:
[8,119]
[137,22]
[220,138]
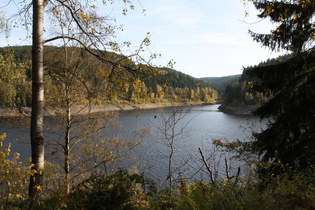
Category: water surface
[198,127]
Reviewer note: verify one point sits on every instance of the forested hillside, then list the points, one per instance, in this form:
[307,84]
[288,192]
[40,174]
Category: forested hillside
[220,83]
[148,85]
[240,92]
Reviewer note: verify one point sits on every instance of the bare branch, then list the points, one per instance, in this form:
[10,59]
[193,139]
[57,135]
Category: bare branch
[207,166]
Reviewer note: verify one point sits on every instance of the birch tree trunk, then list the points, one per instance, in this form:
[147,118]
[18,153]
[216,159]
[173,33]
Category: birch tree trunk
[37,138]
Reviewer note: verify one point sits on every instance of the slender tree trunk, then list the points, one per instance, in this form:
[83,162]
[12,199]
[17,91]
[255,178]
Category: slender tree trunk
[67,144]
[68,123]
[37,137]
[170,165]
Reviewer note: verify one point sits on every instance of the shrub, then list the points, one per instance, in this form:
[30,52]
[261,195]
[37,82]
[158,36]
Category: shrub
[289,191]
[118,191]
[14,175]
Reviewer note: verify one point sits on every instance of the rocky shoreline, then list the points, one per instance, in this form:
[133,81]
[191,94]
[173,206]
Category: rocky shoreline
[240,109]
[85,109]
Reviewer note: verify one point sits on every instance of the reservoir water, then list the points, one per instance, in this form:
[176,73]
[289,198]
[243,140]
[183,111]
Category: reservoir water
[194,127]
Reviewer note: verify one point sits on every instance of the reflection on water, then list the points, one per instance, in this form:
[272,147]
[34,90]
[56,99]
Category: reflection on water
[203,124]
[198,128]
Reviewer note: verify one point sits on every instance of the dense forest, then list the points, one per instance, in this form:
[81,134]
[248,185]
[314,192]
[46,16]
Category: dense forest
[220,83]
[148,86]
[241,93]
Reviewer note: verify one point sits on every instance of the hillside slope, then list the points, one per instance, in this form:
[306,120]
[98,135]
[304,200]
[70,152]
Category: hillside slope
[220,83]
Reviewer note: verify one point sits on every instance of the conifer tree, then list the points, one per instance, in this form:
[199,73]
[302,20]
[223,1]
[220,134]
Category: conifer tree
[290,136]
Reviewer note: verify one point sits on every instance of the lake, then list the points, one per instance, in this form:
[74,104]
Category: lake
[194,127]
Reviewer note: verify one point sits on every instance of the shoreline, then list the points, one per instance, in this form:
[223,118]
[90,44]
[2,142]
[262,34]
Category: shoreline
[86,109]
[237,109]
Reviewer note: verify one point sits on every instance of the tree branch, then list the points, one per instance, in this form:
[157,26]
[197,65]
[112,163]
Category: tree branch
[207,166]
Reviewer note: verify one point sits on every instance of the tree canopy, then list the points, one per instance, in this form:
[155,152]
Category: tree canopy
[290,135]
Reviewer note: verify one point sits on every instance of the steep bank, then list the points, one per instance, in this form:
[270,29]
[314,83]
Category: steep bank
[237,109]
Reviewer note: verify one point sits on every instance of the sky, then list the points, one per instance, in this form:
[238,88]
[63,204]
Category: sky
[206,38]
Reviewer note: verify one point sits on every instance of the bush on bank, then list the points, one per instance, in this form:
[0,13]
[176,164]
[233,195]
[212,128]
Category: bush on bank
[123,190]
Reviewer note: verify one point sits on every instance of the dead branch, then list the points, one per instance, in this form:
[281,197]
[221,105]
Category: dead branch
[207,166]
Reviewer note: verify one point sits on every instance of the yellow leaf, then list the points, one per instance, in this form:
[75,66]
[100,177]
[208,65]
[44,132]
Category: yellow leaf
[38,187]
[2,155]
[32,172]
[7,151]
[16,155]
[3,136]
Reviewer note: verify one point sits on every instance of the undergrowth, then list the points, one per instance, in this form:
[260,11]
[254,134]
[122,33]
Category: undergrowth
[124,190]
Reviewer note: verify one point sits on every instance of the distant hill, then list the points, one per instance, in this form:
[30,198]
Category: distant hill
[220,83]
[178,79]
[165,85]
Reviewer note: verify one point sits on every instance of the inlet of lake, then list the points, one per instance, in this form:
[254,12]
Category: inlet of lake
[197,127]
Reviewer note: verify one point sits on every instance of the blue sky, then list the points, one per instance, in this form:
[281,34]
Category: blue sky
[205,38]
